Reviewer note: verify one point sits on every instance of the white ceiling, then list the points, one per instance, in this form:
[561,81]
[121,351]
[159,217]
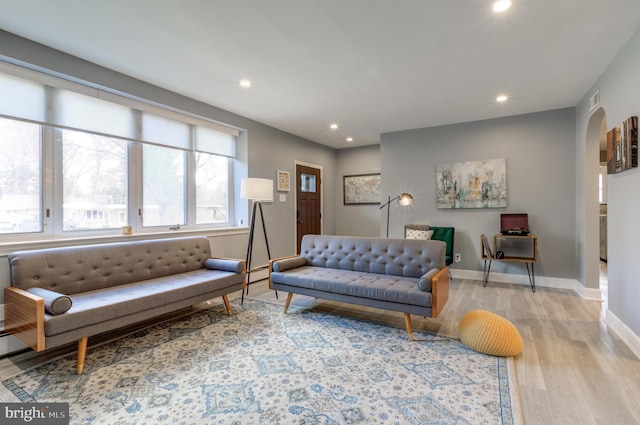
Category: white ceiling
[372,66]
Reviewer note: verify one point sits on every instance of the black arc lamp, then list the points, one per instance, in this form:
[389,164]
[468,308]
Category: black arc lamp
[404,199]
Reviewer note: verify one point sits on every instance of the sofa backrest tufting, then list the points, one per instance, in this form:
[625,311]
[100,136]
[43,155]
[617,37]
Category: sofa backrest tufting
[71,270]
[399,257]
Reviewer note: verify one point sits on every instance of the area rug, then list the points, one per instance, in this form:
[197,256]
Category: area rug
[261,366]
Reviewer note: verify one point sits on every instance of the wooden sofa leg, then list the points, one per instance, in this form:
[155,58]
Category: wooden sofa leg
[82,353]
[407,319]
[286,304]
[226,304]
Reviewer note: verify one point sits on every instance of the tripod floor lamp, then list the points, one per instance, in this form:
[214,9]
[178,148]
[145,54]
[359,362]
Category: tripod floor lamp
[258,191]
[404,199]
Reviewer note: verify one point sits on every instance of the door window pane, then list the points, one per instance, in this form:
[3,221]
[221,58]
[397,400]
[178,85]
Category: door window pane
[307,183]
[163,186]
[94,181]
[20,178]
[212,188]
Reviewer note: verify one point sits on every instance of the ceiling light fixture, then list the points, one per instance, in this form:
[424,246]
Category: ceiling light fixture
[501,5]
[333,126]
[349,139]
[501,98]
[245,83]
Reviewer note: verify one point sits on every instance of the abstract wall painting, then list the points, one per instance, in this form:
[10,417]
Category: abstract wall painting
[472,184]
[622,146]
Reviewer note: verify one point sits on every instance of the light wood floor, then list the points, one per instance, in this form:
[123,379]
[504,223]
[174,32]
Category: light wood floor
[573,369]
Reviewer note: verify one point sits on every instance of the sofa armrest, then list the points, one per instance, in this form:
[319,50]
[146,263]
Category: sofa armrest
[24,317]
[225,264]
[439,291]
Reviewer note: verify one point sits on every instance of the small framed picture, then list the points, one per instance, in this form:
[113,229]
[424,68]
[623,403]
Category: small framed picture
[284,181]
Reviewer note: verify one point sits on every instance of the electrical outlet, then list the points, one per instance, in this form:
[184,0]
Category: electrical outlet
[458,257]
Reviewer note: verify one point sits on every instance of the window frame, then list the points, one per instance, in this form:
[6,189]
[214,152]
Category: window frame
[51,169]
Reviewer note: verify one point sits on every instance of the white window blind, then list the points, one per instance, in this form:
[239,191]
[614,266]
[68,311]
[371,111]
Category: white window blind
[215,142]
[21,98]
[88,113]
[163,131]
[93,109]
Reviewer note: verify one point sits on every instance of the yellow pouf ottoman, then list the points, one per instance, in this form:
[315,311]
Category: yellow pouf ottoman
[489,333]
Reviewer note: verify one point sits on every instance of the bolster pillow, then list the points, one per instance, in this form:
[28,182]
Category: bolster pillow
[54,302]
[289,263]
[424,283]
[235,266]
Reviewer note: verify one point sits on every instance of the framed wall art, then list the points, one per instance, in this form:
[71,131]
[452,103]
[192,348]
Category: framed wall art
[472,184]
[284,181]
[622,146]
[362,189]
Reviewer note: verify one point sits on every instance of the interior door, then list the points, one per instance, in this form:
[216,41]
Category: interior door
[308,205]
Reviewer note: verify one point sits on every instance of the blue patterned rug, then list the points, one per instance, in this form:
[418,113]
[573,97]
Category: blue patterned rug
[264,367]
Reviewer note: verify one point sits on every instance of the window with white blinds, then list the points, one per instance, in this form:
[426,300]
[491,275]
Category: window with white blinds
[115,161]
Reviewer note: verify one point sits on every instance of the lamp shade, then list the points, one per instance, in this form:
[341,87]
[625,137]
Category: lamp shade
[257,189]
[405,199]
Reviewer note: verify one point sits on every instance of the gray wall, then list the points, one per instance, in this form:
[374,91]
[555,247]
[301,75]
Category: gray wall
[356,220]
[539,150]
[619,99]
[271,150]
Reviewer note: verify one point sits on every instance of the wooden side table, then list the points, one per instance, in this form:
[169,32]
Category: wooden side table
[519,249]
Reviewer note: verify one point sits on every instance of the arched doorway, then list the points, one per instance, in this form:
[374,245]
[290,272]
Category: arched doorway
[596,138]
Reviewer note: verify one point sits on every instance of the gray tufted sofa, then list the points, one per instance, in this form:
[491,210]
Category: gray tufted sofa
[408,276]
[61,295]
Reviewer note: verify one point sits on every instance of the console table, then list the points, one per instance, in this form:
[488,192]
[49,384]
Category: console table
[520,249]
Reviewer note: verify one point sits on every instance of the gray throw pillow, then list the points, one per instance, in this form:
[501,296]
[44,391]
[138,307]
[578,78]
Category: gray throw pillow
[424,283]
[54,302]
[289,263]
[227,265]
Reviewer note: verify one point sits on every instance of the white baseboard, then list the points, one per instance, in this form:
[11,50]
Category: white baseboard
[259,275]
[520,279]
[624,332]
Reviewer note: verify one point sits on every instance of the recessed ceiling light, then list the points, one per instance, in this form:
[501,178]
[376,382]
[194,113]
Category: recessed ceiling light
[245,83]
[333,126]
[501,98]
[501,5]
[349,139]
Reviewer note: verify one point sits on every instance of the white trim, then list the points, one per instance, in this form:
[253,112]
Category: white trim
[2,315]
[591,294]
[9,247]
[624,332]
[519,279]
[259,275]
[295,197]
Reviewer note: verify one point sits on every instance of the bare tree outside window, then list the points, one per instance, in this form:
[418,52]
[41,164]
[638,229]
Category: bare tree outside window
[20,178]
[212,188]
[94,181]
[163,186]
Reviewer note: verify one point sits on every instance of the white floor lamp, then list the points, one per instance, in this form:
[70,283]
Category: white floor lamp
[404,199]
[257,190]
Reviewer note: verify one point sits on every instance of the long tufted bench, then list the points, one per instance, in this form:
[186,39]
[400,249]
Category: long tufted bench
[62,295]
[403,275]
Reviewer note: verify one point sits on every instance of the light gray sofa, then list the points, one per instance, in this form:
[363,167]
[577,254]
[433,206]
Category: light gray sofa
[62,295]
[408,276]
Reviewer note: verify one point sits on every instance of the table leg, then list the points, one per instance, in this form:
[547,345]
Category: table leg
[532,277]
[485,273]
